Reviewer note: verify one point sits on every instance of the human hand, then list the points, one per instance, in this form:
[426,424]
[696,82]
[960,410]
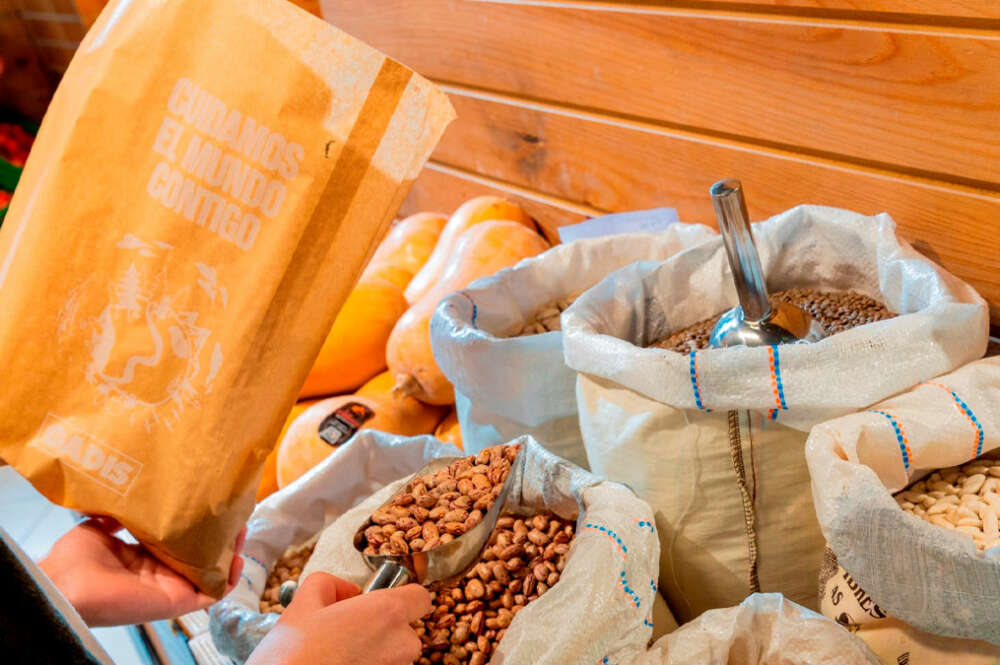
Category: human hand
[328,623]
[111,582]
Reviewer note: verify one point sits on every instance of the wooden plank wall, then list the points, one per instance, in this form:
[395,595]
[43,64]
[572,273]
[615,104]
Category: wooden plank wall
[25,85]
[580,108]
[56,27]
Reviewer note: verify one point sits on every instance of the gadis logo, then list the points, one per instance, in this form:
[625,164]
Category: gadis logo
[110,468]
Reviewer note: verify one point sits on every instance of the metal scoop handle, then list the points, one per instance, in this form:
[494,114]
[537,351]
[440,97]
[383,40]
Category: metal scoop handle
[388,576]
[734,223]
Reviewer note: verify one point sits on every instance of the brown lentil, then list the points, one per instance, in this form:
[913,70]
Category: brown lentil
[837,311]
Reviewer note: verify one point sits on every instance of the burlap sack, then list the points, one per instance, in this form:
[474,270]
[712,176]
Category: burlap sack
[209,180]
[713,439]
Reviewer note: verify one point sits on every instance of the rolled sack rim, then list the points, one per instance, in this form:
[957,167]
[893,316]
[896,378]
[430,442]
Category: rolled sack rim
[669,377]
[457,337]
[857,515]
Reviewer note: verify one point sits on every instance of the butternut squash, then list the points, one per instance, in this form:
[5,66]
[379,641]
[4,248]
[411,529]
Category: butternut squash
[328,423]
[380,385]
[269,478]
[406,248]
[482,250]
[470,213]
[449,431]
[354,350]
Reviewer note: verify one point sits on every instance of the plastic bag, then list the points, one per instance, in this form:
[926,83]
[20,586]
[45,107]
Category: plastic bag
[921,574]
[765,629]
[606,620]
[508,386]
[714,439]
[208,182]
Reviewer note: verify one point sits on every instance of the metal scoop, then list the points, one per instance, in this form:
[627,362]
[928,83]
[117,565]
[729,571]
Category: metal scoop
[447,561]
[756,321]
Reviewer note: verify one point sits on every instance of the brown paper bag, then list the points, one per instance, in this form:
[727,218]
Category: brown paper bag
[209,181]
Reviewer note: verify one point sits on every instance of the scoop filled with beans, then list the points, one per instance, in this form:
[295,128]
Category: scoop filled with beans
[435,509]
[964,499]
[836,311]
[524,558]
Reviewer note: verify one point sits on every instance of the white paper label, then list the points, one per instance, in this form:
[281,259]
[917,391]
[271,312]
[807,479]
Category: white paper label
[646,221]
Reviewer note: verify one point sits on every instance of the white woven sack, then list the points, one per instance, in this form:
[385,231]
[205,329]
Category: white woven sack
[929,577]
[297,513]
[585,617]
[509,386]
[731,493]
[602,605]
[765,629]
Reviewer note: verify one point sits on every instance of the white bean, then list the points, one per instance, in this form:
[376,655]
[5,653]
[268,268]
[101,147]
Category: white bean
[974,482]
[991,530]
[941,521]
[938,508]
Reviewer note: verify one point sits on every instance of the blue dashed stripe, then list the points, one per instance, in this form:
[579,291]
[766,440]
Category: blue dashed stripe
[256,561]
[904,446]
[964,408]
[693,369]
[777,377]
[475,308]
[610,534]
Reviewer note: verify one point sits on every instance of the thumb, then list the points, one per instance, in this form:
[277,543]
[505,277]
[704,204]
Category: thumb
[321,590]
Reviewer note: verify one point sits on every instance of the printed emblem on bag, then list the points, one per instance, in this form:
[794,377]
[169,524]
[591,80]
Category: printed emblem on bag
[847,603]
[72,446]
[146,349]
[341,425]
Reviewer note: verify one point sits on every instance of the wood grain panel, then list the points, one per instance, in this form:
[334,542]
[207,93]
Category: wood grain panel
[440,189]
[614,166]
[25,85]
[927,9]
[55,58]
[868,95]
[64,31]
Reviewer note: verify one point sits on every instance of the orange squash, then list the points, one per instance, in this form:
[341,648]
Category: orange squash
[354,350]
[470,213]
[406,248]
[449,431]
[380,385]
[269,478]
[331,422]
[482,250]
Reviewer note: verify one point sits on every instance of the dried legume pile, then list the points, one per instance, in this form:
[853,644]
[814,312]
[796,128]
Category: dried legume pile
[434,509]
[289,567]
[547,317]
[965,499]
[523,560]
[837,311]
